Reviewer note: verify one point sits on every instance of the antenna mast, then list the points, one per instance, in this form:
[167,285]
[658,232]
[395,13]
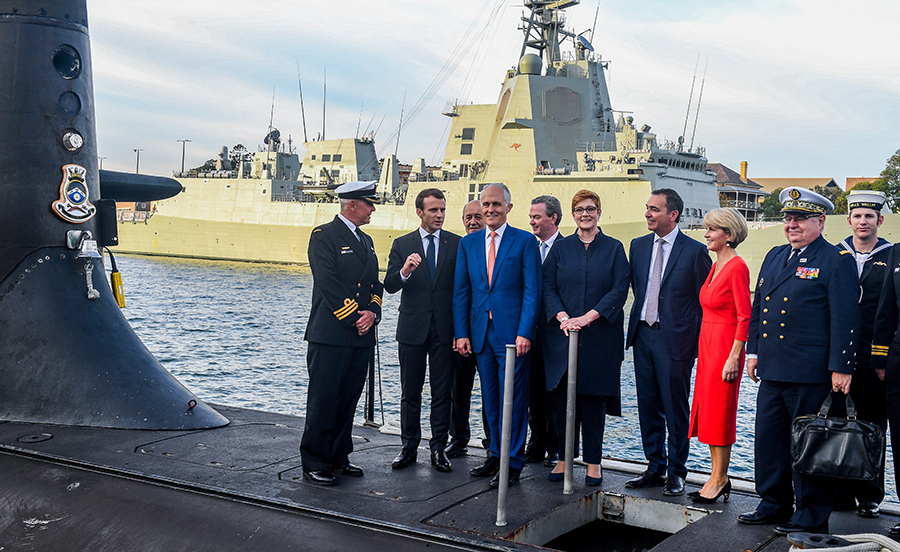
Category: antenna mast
[302,110]
[399,128]
[324,92]
[690,99]
[359,121]
[699,99]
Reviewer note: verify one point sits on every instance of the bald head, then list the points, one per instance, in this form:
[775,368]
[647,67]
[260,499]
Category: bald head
[472,216]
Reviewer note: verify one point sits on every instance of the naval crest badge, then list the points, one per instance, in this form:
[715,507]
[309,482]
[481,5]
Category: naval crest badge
[73,204]
[795,194]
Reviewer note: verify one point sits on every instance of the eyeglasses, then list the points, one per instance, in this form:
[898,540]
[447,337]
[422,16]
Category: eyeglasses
[797,218]
[588,210]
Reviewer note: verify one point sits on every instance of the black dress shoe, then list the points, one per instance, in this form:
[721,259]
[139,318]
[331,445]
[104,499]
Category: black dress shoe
[439,461]
[646,479]
[758,518]
[490,467]
[674,486]
[404,459]
[513,478]
[894,531]
[320,477]
[551,459]
[534,455]
[349,469]
[793,527]
[867,510]
[456,449]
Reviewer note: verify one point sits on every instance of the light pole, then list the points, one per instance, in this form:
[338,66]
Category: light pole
[101,161]
[137,165]
[183,143]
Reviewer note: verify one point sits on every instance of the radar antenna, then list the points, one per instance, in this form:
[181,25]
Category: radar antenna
[302,110]
[545,28]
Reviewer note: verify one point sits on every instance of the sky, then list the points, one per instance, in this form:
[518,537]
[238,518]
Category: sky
[797,88]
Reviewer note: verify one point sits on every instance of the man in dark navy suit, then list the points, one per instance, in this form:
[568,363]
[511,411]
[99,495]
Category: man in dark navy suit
[346,305]
[497,298]
[544,216]
[667,271]
[871,254]
[422,264]
[804,332]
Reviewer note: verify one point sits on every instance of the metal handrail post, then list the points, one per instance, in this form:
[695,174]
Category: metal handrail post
[506,433]
[571,389]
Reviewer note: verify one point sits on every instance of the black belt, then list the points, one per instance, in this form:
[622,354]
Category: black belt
[654,326]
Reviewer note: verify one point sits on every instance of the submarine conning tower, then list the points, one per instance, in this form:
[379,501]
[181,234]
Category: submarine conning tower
[67,354]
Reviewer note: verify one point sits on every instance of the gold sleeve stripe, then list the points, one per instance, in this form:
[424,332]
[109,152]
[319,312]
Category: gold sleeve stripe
[349,307]
[879,353]
[376,299]
[880,347]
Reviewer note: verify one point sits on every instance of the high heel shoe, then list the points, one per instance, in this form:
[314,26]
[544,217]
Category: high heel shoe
[556,476]
[593,481]
[725,493]
[692,494]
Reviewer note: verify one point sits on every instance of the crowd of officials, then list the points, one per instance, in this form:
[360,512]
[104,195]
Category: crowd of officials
[822,316]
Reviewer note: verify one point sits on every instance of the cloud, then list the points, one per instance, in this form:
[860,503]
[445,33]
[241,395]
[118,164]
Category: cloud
[798,88]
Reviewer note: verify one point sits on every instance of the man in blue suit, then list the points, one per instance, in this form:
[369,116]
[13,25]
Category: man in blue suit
[667,271]
[804,332]
[497,300]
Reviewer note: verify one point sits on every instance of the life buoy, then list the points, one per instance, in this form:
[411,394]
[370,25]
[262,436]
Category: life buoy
[540,168]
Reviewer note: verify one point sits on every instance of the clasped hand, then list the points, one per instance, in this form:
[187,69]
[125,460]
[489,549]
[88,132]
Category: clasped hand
[365,322]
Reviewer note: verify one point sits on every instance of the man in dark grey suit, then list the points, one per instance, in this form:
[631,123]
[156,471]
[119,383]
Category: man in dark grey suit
[422,264]
[667,271]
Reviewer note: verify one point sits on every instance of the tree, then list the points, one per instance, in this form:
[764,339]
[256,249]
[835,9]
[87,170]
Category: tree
[723,200]
[890,179]
[770,208]
[237,154]
[210,165]
[832,193]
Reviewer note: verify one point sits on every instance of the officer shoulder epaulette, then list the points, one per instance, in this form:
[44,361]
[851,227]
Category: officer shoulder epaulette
[844,252]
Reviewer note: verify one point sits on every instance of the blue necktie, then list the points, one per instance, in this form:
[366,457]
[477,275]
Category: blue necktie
[430,255]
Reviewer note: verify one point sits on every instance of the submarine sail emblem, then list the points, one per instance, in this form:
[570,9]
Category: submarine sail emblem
[73,204]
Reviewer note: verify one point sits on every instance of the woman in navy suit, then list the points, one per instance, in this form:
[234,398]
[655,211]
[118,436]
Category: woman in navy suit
[586,279]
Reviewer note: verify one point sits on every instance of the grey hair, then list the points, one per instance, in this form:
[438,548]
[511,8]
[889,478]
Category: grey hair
[506,195]
[551,205]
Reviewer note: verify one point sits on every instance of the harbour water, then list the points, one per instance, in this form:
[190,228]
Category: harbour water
[233,334]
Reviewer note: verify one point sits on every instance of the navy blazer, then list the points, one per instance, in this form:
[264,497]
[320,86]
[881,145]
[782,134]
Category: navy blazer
[514,296]
[575,281]
[345,281]
[423,298]
[805,322]
[886,338]
[679,293]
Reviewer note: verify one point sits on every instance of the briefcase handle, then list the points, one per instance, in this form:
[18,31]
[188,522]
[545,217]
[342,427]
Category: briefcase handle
[826,406]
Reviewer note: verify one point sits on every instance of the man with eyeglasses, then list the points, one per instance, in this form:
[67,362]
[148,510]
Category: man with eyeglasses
[804,332]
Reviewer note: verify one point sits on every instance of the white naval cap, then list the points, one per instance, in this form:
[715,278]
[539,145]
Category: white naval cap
[800,200]
[358,190]
[870,199]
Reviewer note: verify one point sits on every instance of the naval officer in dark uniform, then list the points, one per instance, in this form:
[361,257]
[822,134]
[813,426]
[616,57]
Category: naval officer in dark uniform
[346,305]
[804,332]
[871,254]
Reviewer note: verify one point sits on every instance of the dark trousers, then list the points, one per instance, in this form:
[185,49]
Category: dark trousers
[590,421]
[412,379]
[777,404]
[663,386]
[893,414]
[464,369]
[541,413]
[336,378]
[492,371]
[869,396]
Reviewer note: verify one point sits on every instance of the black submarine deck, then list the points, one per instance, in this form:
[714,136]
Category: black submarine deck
[240,487]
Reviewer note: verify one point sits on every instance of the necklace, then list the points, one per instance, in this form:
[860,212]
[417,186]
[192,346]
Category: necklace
[585,242]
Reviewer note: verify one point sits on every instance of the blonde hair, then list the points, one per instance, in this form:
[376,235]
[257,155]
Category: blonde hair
[729,220]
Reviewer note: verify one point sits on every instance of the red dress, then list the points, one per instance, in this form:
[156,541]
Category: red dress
[726,318]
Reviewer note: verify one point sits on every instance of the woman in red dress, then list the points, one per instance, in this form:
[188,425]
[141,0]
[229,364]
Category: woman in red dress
[725,298]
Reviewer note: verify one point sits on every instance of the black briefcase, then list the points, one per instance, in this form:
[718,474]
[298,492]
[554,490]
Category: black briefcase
[842,448]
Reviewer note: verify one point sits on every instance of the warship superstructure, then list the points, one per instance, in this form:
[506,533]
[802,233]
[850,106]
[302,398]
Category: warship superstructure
[552,130]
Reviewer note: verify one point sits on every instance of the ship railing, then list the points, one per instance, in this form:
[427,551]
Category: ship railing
[594,147]
[742,204]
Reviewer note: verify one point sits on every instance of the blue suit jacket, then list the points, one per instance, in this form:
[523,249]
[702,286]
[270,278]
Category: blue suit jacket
[805,322]
[679,292]
[514,296]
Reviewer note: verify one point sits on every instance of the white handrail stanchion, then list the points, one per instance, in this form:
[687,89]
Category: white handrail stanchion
[571,389]
[506,433]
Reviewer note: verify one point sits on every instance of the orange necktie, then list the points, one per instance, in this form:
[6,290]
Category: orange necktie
[492,256]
